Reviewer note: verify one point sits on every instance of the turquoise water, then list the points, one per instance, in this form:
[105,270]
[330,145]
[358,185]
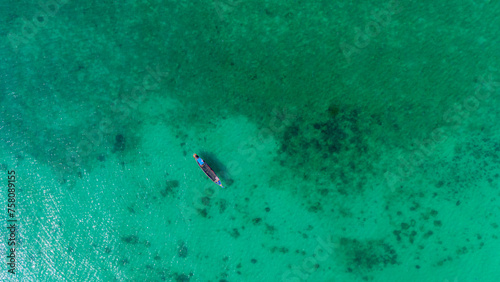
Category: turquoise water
[356,141]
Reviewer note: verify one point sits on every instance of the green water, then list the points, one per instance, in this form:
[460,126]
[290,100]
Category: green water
[356,142]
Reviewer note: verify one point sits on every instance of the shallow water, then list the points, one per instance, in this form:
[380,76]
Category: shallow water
[356,142]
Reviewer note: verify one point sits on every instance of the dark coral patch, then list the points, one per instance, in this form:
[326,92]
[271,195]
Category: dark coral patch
[428,234]
[182,250]
[333,110]
[101,157]
[397,233]
[119,143]
[222,205]
[132,239]
[202,212]
[234,233]
[182,277]
[279,249]
[270,229]
[330,145]
[315,207]
[169,188]
[371,254]
[205,201]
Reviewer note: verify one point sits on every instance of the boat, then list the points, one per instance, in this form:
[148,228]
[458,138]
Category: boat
[207,170]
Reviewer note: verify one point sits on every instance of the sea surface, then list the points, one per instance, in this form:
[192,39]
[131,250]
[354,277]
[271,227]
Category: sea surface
[356,140]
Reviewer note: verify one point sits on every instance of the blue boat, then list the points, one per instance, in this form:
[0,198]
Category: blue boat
[207,170]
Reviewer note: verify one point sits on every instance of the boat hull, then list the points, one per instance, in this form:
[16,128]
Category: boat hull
[207,170]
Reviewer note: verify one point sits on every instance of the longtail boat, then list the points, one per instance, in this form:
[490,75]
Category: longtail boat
[207,170]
